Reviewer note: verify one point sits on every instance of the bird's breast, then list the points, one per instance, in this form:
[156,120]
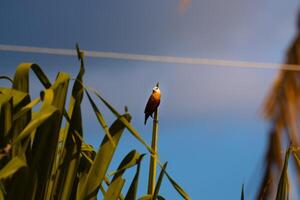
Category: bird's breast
[156,96]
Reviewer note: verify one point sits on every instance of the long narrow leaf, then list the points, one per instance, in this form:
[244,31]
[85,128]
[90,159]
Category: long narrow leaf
[40,118]
[6,113]
[114,191]
[102,161]
[21,79]
[159,181]
[6,78]
[100,118]
[124,121]
[283,185]
[146,197]
[26,108]
[12,166]
[175,185]
[66,176]
[132,191]
[130,160]
[242,193]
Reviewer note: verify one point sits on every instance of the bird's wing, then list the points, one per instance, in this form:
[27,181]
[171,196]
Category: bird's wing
[151,105]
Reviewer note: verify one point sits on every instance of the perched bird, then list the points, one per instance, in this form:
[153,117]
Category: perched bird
[152,103]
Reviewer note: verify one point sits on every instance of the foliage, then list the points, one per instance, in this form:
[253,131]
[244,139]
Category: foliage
[281,108]
[43,154]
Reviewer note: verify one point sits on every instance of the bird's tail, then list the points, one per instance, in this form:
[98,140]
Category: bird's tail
[146,117]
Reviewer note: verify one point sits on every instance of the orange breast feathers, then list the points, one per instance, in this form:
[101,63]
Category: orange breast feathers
[156,96]
[152,103]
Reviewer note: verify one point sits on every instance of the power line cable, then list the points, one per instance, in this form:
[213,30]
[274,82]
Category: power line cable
[151,58]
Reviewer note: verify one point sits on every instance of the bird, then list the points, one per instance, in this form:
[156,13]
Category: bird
[153,103]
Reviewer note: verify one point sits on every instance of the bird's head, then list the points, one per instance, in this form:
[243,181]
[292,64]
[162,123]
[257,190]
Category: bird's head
[156,90]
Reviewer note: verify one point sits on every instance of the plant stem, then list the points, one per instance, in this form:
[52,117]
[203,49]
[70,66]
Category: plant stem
[153,158]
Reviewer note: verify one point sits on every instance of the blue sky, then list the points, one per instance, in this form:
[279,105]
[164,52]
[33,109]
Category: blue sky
[209,116]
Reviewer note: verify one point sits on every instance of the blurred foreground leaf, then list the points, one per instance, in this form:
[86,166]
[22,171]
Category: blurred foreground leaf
[283,185]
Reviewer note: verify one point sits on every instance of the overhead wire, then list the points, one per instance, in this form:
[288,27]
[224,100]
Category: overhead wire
[151,58]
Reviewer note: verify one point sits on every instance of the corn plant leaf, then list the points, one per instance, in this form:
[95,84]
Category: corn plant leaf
[86,162]
[102,160]
[20,99]
[100,118]
[132,191]
[124,121]
[46,112]
[17,188]
[21,79]
[60,88]
[130,160]
[115,189]
[146,197]
[6,113]
[26,108]
[66,176]
[40,118]
[296,158]
[44,147]
[11,167]
[176,186]
[21,83]
[6,78]
[2,191]
[84,175]
[283,185]
[86,147]
[242,193]
[160,197]
[159,181]
[43,150]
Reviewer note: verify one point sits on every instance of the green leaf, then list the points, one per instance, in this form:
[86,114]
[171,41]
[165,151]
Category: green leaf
[26,108]
[242,193]
[123,120]
[146,197]
[11,167]
[159,181]
[102,161]
[6,113]
[20,99]
[40,118]
[83,174]
[44,147]
[2,191]
[283,185]
[21,79]
[6,78]
[86,147]
[130,160]
[115,189]
[132,191]
[100,118]
[60,88]
[176,186]
[160,197]
[67,173]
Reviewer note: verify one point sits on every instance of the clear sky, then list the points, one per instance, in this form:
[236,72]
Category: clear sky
[211,131]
